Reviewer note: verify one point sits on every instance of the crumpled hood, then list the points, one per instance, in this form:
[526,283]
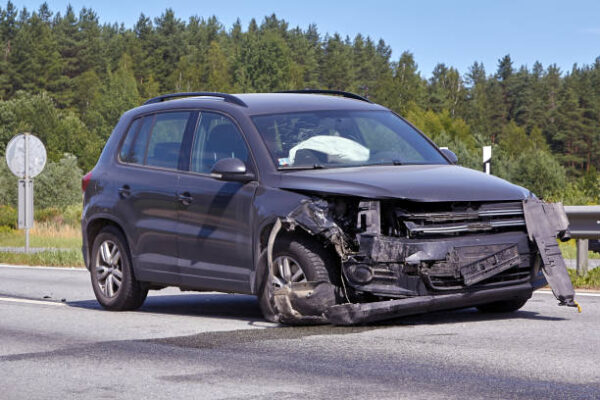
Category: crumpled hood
[427,183]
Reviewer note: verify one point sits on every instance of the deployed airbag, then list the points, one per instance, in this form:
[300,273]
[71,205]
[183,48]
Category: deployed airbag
[338,149]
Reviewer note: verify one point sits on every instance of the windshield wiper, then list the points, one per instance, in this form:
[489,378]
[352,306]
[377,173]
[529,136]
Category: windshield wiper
[382,163]
[314,166]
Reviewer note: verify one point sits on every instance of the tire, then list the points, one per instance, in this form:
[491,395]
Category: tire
[113,282]
[315,261]
[505,306]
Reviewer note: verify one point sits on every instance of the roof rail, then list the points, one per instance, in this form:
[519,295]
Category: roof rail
[226,97]
[327,91]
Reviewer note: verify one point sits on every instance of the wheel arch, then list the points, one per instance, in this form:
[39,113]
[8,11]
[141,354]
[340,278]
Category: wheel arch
[93,228]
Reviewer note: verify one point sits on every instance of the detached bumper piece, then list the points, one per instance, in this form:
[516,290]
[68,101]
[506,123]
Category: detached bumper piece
[546,221]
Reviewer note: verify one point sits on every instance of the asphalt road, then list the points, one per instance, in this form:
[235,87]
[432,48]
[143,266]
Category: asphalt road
[55,342]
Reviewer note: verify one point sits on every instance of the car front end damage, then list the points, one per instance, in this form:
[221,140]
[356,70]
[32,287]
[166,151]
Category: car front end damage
[401,257]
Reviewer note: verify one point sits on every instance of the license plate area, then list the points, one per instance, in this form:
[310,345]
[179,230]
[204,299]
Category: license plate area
[488,266]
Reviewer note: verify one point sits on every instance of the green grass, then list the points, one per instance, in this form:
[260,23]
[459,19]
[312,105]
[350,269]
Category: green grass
[67,238]
[40,239]
[590,281]
[54,258]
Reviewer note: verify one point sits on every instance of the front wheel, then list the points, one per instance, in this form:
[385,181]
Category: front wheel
[112,276]
[295,259]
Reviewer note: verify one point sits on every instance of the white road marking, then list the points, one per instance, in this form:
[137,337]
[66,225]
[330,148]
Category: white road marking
[576,293]
[29,301]
[83,269]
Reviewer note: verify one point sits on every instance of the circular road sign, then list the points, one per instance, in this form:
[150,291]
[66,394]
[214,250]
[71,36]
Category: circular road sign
[15,155]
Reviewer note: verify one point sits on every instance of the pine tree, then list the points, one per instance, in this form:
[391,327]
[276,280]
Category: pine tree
[336,64]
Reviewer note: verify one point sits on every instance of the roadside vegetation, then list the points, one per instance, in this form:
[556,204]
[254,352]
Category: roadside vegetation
[55,229]
[52,258]
[590,281]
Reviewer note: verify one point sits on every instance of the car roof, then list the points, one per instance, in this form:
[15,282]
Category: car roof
[274,103]
[268,103]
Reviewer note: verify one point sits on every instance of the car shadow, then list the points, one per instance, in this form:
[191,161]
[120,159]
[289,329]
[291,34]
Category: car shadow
[217,305]
[464,315]
[245,307]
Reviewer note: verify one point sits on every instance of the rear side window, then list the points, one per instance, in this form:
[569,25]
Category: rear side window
[125,154]
[133,150]
[155,140]
[165,141]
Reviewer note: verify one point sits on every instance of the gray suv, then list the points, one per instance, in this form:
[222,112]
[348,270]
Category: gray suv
[328,207]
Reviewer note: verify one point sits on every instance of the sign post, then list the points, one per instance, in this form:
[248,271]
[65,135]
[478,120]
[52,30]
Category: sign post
[487,159]
[26,158]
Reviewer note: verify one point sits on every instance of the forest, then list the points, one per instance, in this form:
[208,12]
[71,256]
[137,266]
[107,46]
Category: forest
[67,78]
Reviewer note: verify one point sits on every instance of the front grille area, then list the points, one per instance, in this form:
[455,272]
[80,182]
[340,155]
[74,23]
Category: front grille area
[427,248]
[457,219]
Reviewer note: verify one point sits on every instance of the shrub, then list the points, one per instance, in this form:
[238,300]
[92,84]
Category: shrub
[51,214]
[59,185]
[539,172]
[8,217]
[8,185]
[72,214]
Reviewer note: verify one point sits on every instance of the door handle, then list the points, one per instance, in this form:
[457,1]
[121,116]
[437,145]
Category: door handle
[124,191]
[185,198]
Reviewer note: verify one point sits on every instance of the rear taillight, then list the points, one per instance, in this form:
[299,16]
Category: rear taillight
[85,181]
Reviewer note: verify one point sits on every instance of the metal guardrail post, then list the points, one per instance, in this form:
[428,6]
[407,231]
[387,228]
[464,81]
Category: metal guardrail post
[584,224]
[582,257]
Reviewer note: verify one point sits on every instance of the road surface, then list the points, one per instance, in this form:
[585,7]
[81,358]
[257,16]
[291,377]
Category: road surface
[56,343]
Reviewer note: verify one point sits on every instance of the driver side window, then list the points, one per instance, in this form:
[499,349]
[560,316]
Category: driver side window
[216,138]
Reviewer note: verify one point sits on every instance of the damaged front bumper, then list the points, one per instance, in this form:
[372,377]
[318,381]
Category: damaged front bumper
[398,276]
[300,303]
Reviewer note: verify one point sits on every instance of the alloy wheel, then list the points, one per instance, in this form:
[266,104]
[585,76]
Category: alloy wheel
[287,270]
[109,268]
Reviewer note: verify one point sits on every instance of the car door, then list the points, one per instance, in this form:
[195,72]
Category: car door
[147,185]
[215,238]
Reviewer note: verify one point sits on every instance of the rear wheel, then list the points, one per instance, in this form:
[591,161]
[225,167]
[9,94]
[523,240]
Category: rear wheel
[505,306]
[295,259]
[112,276]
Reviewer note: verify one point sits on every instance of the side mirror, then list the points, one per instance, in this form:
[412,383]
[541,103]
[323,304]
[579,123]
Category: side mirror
[231,169]
[449,155]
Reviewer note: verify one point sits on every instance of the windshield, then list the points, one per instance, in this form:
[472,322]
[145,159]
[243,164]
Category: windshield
[332,139]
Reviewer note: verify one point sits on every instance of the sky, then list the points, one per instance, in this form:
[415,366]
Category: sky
[454,32]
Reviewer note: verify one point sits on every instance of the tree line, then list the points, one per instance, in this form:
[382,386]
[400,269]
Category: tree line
[68,78]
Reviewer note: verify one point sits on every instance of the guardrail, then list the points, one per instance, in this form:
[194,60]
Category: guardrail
[584,224]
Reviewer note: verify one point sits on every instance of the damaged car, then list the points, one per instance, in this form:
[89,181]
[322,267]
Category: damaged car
[328,207]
